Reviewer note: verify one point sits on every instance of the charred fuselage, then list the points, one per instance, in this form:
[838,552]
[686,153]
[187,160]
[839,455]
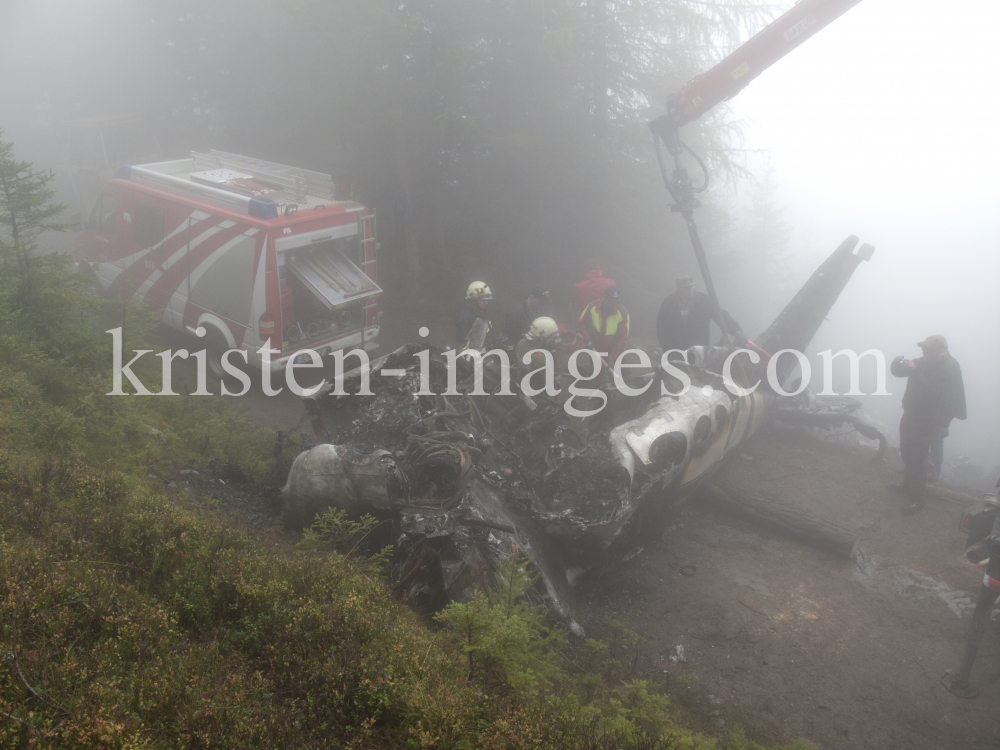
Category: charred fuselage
[471,479]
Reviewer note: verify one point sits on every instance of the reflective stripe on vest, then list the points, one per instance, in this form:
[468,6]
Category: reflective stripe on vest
[489,328]
[610,323]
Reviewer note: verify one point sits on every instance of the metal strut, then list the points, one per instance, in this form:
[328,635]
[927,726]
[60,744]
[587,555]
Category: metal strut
[722,82]
[682,190]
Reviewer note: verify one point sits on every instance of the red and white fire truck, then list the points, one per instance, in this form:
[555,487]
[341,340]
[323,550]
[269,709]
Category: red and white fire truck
[252,251]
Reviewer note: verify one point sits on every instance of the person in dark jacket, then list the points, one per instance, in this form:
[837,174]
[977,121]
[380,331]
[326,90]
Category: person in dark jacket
[519,320]
[935,395]
[685,319]
[477,299]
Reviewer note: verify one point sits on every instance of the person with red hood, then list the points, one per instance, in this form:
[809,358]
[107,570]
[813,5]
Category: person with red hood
[591,289]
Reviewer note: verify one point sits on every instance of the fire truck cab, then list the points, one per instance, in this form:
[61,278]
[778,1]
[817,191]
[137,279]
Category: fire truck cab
[257,253]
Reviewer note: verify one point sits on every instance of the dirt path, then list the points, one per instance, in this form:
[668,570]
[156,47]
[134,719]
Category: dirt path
[792,642]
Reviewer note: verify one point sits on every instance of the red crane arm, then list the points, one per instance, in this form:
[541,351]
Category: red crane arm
[722,82]
[764,49]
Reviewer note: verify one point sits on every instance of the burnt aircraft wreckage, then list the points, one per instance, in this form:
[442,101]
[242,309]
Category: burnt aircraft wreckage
[468,480]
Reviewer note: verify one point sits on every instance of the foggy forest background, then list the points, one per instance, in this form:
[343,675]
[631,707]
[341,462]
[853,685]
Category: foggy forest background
[503,140]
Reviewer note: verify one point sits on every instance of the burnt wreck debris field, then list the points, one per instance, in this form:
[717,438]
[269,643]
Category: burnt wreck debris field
[836,630]
[785,638]
[468,479]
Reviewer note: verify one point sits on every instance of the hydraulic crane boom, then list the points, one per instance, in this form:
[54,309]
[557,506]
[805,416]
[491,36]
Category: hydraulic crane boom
[722,82]
[764,49]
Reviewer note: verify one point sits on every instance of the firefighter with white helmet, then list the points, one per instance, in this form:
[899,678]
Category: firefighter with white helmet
[542,334]
[542,328]
[477,290]
[477,298]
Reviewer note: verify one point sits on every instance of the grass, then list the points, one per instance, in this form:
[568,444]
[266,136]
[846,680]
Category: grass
[132,617]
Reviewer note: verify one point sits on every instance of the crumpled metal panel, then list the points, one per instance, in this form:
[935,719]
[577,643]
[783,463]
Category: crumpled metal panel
[340,477]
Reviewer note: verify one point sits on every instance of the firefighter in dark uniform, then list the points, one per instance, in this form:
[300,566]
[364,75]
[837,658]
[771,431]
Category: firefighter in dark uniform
[935,395]
[477,298]
[685,319]
[518,321]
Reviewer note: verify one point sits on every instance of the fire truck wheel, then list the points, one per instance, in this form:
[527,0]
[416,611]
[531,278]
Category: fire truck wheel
[216,346]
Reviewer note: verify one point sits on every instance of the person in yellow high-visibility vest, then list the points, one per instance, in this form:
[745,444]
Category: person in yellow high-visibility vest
[605,323]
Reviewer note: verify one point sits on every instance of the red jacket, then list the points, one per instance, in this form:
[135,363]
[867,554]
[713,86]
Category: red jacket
[591,289]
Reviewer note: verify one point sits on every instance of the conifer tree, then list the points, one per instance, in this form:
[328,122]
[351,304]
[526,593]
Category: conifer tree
[27,209]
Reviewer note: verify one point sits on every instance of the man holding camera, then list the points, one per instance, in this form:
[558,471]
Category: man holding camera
[935,394]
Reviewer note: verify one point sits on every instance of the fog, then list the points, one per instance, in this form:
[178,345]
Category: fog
[883,126]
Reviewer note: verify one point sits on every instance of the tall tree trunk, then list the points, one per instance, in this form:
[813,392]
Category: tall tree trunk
[411,243]
[599,74]
[20,255]
[404,178]
[600,81]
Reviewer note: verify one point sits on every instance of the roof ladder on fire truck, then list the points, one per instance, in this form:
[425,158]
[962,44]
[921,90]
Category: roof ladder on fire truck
[253,186]
[367,239]
[297,184]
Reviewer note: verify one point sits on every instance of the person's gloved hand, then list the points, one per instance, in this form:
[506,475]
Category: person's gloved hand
[740,339]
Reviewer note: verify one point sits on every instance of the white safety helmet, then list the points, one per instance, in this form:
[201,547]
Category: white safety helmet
[478,290]
[542,328]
